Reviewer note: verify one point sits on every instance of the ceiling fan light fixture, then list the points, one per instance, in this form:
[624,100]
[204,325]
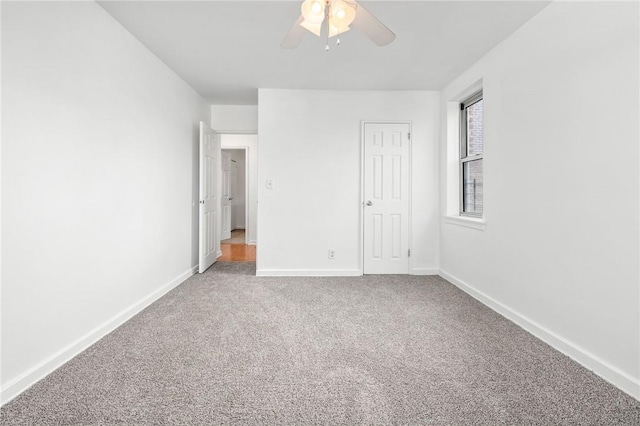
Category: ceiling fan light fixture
[337,16]
[334,31]
[311,27]
[342,13]
[313,11]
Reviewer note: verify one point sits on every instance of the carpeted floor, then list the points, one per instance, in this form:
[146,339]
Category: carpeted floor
[228,347]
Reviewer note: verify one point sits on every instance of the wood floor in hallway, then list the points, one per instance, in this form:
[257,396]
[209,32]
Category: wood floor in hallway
[237,253]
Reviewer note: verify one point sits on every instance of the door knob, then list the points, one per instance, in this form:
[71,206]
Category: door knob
[369,203]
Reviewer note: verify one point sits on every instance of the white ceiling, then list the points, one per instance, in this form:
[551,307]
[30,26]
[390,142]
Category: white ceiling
[226,50]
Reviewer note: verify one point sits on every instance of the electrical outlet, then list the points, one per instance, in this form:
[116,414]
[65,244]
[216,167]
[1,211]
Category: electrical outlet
[332,254]
[269,184]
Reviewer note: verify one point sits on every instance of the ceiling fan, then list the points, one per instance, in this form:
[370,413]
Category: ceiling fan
[333,17]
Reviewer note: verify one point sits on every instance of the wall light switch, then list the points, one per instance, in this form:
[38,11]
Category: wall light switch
[269,184]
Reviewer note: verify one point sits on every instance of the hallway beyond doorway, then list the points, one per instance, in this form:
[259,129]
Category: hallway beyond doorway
[234,249]
[237,237]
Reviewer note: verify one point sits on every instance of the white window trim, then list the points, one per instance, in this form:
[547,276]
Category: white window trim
[470,100]
[451,214]
[466,221]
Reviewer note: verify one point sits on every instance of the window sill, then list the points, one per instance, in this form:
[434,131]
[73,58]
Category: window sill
[469,222]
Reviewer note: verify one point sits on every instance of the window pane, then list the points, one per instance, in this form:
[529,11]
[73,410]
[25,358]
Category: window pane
[475,128]
[472,186]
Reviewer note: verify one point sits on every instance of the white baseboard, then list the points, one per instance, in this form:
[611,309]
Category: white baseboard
[308,273]
[27,379]
[424,271]
[252,243]
[602,368]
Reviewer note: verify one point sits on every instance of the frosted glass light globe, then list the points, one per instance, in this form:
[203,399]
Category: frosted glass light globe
[313,11]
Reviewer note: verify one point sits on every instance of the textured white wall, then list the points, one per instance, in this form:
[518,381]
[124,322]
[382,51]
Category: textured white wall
[99,173]
[250,142]
[310,147]
[234,118]
[560,252]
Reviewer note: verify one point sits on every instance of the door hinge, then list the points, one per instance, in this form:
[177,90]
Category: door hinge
[409,253]
[409,135]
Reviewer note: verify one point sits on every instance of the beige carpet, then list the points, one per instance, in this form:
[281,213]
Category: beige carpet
[227,347]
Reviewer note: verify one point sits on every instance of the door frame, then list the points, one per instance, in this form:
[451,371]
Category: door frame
[246,150]
[362,200]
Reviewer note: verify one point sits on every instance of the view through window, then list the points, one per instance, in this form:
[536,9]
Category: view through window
[471,155]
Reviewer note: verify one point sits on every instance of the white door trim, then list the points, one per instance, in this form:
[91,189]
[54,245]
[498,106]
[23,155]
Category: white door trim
[362,200]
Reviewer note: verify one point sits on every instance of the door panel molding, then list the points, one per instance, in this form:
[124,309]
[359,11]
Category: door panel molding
[392,170]
[209,202]
[225,195]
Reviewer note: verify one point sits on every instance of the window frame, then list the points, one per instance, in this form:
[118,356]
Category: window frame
[464,157]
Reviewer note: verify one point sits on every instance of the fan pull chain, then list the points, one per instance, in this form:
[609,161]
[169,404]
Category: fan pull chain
[328,9]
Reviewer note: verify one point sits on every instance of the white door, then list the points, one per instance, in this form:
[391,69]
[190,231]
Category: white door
[386,198]
[209,157]
[233,194]
[225,197]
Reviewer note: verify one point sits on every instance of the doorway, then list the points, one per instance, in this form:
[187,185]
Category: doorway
[386,189]
[234,202]
[234,196]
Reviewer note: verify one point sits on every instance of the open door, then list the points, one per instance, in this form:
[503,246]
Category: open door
[225,196]
[209,159]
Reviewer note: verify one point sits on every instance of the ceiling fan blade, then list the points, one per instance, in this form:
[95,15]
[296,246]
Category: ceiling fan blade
[371,27]
[293,39]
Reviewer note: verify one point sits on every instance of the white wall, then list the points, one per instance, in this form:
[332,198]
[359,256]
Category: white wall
[234,118]
[99,173]
[250,142]
[310,147]
[560,252]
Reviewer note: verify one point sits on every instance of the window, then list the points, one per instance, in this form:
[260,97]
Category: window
[471,154]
